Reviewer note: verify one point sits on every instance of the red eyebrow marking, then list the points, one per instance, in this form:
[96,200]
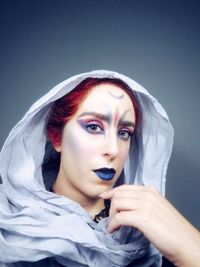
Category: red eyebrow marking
[116,117]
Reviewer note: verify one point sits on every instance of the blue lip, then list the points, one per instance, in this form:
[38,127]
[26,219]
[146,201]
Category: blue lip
[105,174]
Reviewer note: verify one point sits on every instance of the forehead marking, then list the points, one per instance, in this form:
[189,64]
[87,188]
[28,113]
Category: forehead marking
[116,117]
[116,96]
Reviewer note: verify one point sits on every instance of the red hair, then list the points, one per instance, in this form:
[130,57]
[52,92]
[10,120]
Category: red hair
[65,107]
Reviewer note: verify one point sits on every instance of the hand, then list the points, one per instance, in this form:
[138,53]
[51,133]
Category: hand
[147,210]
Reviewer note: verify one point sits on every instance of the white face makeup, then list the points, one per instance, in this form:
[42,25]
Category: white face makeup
[96,140]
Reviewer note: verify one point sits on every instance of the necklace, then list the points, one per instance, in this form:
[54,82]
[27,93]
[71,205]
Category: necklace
[104,212]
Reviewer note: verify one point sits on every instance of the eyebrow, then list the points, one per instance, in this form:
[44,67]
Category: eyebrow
[107,118]
[126,123]
[103,117]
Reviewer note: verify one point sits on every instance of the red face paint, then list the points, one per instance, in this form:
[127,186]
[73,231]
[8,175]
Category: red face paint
[116,117]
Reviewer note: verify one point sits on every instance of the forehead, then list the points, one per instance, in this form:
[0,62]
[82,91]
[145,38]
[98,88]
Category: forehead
[107,97]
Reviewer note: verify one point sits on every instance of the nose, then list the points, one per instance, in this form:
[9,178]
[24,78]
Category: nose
[111,147]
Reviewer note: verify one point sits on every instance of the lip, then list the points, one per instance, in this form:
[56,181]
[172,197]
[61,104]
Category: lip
[105,174]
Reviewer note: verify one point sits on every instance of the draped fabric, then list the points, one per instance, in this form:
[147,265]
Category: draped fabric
[37,225]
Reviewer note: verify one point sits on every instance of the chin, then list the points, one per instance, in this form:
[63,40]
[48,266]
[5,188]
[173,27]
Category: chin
[95,192]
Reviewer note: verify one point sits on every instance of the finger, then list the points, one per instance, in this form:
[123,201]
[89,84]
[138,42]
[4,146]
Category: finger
[131,187]
[125,218]
[124,204]
[128,193]
[110,193]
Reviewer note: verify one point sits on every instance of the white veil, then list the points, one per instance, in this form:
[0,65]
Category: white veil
[36,223]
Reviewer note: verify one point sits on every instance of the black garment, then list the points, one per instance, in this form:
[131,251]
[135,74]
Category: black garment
[167,263]
[48,262]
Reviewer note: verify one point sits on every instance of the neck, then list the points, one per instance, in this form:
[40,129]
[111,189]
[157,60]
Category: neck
[92,205]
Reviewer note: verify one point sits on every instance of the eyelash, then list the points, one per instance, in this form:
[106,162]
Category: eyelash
[95,127]
[127,134]
[98,127]
[90,125]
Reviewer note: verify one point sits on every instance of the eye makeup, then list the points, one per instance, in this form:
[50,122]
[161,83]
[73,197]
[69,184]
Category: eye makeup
[125,133]
[97,116]
[94,123]
[96,127]
[108,118]
[92,126]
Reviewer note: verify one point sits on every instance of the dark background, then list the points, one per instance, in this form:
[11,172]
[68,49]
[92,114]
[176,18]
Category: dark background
[157,43]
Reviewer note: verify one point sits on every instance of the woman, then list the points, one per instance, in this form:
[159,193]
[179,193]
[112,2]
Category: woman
[100,130]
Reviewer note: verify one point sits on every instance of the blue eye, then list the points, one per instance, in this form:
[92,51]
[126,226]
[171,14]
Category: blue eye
[94,128]
[124,134]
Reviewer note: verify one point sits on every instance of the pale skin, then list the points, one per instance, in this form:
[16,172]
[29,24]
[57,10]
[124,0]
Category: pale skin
[98,136]
[145,208]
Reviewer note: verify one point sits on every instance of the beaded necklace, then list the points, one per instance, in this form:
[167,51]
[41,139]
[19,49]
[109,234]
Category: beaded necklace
[104,212]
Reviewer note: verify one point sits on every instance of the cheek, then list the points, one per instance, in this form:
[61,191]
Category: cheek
[78,145]
[124,153]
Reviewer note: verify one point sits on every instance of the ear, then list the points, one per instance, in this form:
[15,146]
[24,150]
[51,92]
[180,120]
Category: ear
[55,139]
[57,147]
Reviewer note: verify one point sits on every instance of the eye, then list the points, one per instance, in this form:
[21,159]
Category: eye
[125,134]
[94,127]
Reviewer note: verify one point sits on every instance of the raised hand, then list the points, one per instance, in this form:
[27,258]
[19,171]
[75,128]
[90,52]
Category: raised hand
[146,209]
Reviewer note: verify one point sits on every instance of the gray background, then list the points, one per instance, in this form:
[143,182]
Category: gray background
[154,42]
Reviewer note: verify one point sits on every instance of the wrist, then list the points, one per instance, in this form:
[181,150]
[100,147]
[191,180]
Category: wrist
[188,254]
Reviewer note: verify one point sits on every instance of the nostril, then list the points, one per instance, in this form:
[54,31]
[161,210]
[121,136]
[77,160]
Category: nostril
[111,150]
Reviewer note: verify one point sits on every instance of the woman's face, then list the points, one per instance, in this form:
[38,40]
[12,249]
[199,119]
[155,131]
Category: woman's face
[96,140]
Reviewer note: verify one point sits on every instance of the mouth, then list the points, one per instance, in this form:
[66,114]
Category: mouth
[105,174]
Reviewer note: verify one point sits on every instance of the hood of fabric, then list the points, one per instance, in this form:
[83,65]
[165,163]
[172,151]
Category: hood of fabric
[39,223]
